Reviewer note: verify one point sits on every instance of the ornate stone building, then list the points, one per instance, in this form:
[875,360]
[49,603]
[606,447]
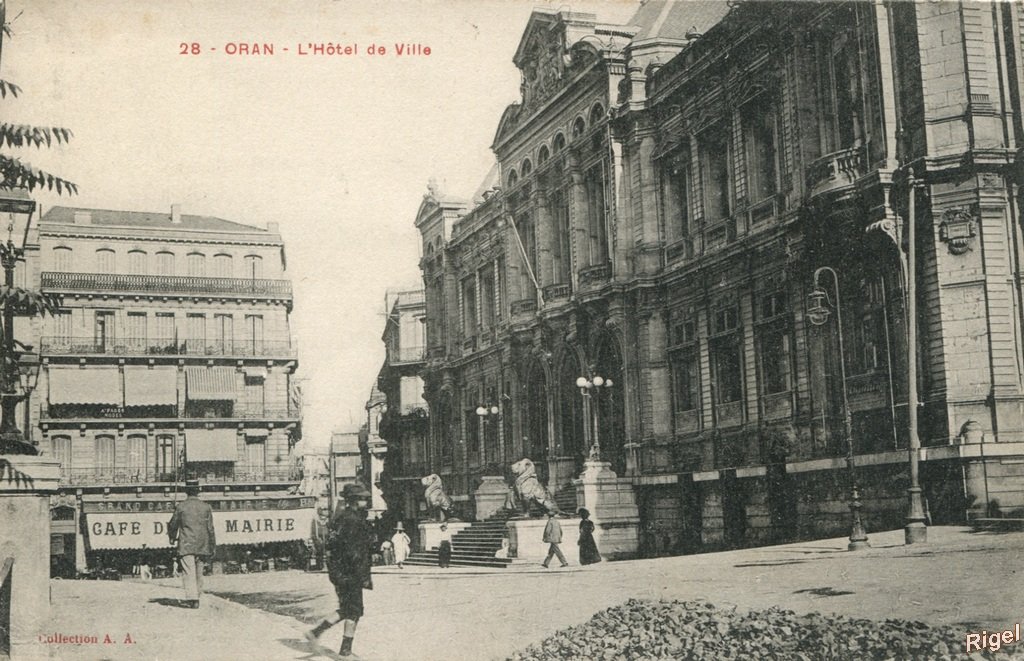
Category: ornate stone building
[669,193]
[172,358]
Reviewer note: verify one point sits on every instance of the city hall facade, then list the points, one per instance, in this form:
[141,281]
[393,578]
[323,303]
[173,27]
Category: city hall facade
[675,202]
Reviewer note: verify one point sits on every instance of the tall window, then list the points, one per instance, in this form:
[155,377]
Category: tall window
[62,259]
[62,325]
[256,454]
[727,362]
[136,458]
[104,457]
[254,331]
[254,394]
[104,335]
[165,335]
[473,440]
[469,324]
[685,380]
[222,266]
[224,330]
[596,216]
[760,139]
[867,348]
[774,345]
[62,453]
[136,262]
[165,263]
[528,236]
[196,264]
[487,307]
[105,261]
[253,267]
[714,163]
[164,461]
[839,90]
[561,251]
[675,200]
[196,333]
[136,340]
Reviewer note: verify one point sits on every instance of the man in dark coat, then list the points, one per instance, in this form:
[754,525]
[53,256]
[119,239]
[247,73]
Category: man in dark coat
[349,545]
[192,527]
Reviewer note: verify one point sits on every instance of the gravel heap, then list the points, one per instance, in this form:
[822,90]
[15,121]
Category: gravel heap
[641,629]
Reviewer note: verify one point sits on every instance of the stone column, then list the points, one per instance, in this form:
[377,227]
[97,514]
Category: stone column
[579,217]
[26,484]
[545,236]
[613,509]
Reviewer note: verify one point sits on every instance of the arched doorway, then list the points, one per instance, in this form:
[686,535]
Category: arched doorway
[62,542]
[534,396]
[572,441]
[609,403]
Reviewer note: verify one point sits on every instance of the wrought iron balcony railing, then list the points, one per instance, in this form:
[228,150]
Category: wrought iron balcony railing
[64,412]
[166,284]
[84,476]
[69,346]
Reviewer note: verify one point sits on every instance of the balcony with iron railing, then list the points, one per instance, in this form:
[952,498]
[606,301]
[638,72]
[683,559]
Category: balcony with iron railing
[135,346]
[76,413]
[53,281]
[111,476]
[402,355]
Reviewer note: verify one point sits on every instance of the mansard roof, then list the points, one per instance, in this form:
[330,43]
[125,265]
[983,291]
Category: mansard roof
[675,19]
[144,220]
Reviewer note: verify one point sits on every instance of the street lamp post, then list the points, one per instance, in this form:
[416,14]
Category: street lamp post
[18,367]
[487,413]
[818,314]
[589,388]
[915,531]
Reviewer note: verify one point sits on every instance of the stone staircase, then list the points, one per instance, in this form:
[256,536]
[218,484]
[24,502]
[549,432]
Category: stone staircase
[473,547]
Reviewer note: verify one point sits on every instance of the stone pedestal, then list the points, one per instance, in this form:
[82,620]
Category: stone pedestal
[526,539]
[430,533]
[490,496]
[26,484]
[612,505]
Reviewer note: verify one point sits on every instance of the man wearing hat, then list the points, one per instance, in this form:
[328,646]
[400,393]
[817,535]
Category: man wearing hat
[350,544]
[401,544]
[192,527]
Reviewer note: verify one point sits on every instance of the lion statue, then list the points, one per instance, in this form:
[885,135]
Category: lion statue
[436,498]
[528,487]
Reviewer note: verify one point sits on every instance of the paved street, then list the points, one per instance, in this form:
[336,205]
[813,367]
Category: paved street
[960,580]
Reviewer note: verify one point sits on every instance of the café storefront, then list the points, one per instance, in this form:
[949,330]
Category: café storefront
[253,532]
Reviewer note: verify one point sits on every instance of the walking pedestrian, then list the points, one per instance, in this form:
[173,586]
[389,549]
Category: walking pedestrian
[350,543]
[553,537]
[191,526]
[588,547]
[444,548]
[387,551]
[400,541]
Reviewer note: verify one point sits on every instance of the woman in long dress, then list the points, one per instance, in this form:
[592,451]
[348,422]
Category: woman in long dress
[444,548]
[400,542]
[588,547]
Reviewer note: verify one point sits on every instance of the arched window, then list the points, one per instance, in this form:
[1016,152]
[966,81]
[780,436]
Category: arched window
[62,259]
[137,262]
[542,155]
[596,114]
[527,167]
[559,143]
[253,266]
[165,263]
[578,127]
[222,266]
[105,260]
[196,264]
[513,178]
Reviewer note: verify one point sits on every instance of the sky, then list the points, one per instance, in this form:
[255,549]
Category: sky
[337,149]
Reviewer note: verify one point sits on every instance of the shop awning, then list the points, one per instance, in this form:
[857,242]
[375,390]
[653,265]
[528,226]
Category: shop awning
[256,526]
[150,387]
[211,445]
[211,383]
[96,385]
[128,530]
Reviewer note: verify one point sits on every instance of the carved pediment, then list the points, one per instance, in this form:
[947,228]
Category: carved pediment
[543,64]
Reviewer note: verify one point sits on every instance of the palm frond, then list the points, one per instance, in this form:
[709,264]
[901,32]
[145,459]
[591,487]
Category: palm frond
[17,174]
[23,135]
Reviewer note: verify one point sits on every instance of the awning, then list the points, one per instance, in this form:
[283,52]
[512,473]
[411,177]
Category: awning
[256,526]
[211,445]
[211,383]
[150,387]
[96,385]
[128,530]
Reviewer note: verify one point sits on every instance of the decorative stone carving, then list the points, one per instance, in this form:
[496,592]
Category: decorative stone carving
[439,502]
[528,487]
[957,229]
